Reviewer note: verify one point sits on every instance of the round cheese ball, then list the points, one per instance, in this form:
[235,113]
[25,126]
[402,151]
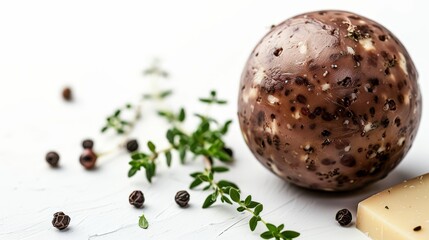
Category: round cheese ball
[329,100]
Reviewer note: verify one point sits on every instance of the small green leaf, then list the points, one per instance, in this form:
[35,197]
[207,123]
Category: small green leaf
[213,93]
[208,202]
[151,146]
[182,115]
[252,204]
[280,227]
[220,169]
[225,127]
[170,136]
[195,183]
[182,154]
[117,113]
[241,209]
[150,171]
[271,227]
[207,187]
[234,194]
[204,126]
[195,174]
[132,171]
[223,156]
[290,234]
[104,129]
[168,158]
[204,178]
[258,209]
[226,199]
[224,183]
[143,223]
[221,101]
[206,100]
[165,94]
[267,235]
[253,222]
[138,156]
[247,200]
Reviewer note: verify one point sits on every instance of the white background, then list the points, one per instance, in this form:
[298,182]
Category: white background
[100,49]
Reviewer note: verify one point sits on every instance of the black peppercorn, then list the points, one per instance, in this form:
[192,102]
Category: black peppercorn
[132,145]
[182,198]
[88,159]
[67,94]
[88,143]
[344,217]
[61,221]
[136,199]
[418,228]
[52,158]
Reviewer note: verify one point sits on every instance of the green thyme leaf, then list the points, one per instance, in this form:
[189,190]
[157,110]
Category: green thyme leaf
[290,234]
[151,146]
[132,172]
[182,115]
[165,94]
[168,158]
[267,235]
[271,227]
[220,169]
[143,223]
[258,209]
[195,183]
[253,222]
[208,202]
[247,200]
[204,178]
[252,204]
[241,209]
[234,194]
[226,199]
[225,183]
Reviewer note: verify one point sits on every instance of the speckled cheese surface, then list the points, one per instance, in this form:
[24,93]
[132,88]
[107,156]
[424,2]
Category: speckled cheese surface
[397,213]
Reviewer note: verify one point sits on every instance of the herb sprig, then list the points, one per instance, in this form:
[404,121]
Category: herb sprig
[229,193]
[205,141]
[119,124]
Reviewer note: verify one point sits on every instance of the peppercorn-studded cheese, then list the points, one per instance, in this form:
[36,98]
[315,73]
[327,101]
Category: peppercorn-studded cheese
[397,213]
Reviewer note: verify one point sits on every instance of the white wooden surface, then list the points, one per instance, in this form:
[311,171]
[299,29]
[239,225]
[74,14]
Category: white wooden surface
[100,48]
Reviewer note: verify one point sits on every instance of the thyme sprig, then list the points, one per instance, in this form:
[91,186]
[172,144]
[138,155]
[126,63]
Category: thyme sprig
[205,141]
[228,192]
[119,124]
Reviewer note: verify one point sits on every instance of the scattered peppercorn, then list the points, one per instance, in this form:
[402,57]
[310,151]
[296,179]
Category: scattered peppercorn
[52,158]
[88,159]
[344,217]
[418,228]
[182,198]
[88,144]
[67,94]
[136,199]
[61,220]
[132,145]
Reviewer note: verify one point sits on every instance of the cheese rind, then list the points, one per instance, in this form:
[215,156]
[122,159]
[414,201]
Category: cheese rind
[396,213]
